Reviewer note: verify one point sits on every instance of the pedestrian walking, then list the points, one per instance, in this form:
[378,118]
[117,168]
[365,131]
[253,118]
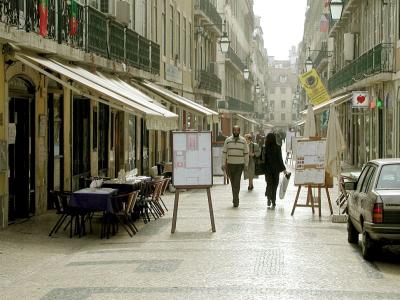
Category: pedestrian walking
[235,158]
[254,152]
[278,136]
[272,156]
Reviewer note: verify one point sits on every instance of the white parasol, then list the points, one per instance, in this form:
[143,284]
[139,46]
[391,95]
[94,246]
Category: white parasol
[309,126]
[335,144]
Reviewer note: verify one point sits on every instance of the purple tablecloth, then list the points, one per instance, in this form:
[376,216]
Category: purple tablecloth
[98,199]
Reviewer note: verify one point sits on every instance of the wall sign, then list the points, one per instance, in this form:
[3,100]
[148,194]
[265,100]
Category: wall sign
[360,99]
[173,74]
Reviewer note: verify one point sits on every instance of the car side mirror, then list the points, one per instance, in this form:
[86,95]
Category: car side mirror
[350,185]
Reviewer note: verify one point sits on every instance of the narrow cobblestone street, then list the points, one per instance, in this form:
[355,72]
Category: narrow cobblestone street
[256,253]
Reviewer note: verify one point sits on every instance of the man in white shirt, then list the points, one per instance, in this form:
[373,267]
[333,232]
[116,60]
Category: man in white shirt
[235,157]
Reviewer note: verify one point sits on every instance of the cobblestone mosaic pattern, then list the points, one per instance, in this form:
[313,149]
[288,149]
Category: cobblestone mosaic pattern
[256,253]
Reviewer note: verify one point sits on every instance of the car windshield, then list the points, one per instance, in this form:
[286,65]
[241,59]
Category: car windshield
[389,178]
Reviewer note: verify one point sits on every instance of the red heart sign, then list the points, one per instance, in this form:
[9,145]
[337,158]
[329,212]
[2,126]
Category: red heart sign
[360,99]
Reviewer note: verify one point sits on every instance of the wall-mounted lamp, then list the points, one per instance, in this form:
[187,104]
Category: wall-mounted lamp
[309,64]
[223,42]
[257,88]
[336,9]
[246,73]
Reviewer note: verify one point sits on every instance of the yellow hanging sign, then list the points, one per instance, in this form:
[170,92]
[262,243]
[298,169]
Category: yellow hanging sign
[314,87]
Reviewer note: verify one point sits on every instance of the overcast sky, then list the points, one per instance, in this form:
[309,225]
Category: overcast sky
[282,22]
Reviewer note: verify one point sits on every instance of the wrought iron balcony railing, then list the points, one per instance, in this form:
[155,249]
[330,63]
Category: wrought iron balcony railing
[93,31]
[377,60]
[322,54]
[237,105]
[211,12]
[247,107]
[155,58]
[96,34]
[222,104]
[65,27]
[235,59]
[117,40]
[209,81]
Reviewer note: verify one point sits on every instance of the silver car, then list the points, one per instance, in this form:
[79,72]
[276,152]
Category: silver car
[374,206]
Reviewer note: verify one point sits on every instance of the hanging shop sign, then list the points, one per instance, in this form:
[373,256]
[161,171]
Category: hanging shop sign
[314,87]
[360,99]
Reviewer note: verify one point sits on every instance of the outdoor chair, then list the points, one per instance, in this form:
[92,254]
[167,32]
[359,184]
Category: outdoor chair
[123,207]
[60,201]
[341,201]
[156,197]
[146,192]
[166,182]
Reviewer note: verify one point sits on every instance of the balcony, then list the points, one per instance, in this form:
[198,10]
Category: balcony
[207,9]
[322,54]
[221,104]
[377,60]
[237,105]
[97,32]
[94,32]
[209,81]
[235,59]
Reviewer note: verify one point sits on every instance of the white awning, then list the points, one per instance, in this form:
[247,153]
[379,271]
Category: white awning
[299,123]
[247,119]
[157,117]
[325,106]
[268,125]
[187,103]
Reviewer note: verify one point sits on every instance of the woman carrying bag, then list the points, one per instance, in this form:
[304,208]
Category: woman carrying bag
[254,152]
[272,156]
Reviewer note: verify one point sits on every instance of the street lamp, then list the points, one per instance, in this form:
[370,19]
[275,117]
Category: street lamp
[257,88]
[336,9]
[224,41]
[309,64]
[246,73]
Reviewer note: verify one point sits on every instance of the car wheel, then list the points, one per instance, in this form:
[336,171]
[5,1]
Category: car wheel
[367,246]
[352,233]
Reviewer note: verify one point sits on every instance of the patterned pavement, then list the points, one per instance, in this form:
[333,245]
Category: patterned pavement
[256,253]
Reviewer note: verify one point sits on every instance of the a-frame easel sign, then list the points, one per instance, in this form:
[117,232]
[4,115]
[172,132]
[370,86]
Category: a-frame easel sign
[192,166]
[310,172]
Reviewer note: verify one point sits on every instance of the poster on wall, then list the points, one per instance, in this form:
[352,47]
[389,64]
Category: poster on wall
[192,159]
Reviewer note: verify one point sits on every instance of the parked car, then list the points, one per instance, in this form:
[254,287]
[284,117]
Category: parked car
[374,206]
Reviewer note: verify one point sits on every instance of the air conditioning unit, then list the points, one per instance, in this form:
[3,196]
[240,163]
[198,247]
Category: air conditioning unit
[348,45]
[107,7]
[122,12]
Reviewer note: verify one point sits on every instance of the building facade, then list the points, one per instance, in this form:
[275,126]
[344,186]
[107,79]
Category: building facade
[364,57]
[282,87]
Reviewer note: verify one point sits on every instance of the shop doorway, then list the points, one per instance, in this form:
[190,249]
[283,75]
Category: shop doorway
[55,164]
[21,149]
[144,148]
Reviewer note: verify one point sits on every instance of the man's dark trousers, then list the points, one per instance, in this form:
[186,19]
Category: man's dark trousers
[235,174]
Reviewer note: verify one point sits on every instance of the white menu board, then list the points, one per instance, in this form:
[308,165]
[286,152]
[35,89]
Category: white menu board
[310,162]
[217,159]
[192,159]
[289,138]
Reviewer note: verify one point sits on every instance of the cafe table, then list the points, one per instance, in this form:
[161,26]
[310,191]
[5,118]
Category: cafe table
[94,199]
[128,186]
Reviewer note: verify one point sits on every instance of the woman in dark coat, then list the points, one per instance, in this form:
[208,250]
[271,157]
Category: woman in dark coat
[272,155]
